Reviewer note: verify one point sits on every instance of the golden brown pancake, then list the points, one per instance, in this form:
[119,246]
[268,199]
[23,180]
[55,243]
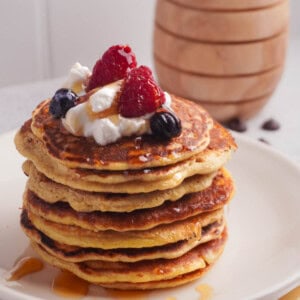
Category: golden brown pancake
[214,197]
[216,155]
[221,144]
[190,228]
[132,187]
[83,201]
[160,284]
[101,272]
[78,254]
[127,153]
[211,159]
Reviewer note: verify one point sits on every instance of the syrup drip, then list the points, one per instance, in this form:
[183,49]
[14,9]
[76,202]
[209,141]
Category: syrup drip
[205,291]
[68,285]
[292,295]
[25,266]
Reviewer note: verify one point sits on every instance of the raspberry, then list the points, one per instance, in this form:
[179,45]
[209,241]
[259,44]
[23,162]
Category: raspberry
[114,65]
[140,94]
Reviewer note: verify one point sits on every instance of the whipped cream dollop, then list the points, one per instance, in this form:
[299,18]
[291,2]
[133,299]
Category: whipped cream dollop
[83,119]
[77,76]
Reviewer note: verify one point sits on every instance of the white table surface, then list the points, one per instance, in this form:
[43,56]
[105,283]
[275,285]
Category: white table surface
[17,102]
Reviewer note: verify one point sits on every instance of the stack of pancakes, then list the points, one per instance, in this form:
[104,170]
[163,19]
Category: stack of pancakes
[136,214]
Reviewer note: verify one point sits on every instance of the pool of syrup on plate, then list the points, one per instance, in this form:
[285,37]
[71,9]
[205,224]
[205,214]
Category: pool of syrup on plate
[64,284]
[68,285]
[25,266]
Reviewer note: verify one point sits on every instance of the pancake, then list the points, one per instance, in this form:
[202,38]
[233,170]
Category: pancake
[100,272]
[127,153]
[190,228]
[78,254]
[83,201]
[215,156]
[160,284]
[220,148]
[214,197]
[132,187]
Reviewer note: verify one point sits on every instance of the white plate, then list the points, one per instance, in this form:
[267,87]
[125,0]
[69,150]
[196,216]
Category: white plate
[261,259]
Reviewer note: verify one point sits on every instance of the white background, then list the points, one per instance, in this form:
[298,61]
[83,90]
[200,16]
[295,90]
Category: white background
[41,39]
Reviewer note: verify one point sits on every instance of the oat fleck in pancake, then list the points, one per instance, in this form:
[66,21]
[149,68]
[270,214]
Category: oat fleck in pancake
[127,153]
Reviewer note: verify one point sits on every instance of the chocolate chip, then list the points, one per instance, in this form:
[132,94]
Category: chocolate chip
[264,141]
[270,124]
[237,125]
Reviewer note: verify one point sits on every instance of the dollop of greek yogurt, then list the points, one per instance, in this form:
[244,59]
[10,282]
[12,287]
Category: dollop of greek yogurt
[78,74]
[105,96]
[79,121]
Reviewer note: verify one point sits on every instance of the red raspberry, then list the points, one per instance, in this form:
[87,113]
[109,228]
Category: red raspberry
[140,94]
[114,65]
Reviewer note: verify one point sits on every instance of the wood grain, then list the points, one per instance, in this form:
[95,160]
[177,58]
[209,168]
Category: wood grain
[212,26]
[217,89]
[219,59]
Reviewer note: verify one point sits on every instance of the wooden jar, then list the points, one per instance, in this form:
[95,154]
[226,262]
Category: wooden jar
[226,55]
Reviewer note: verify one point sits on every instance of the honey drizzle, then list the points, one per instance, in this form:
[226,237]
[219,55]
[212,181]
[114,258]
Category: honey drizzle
[205,291]
[25,266]
[68,285]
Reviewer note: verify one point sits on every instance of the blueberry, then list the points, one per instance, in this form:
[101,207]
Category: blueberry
[165,125]
[62,101]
